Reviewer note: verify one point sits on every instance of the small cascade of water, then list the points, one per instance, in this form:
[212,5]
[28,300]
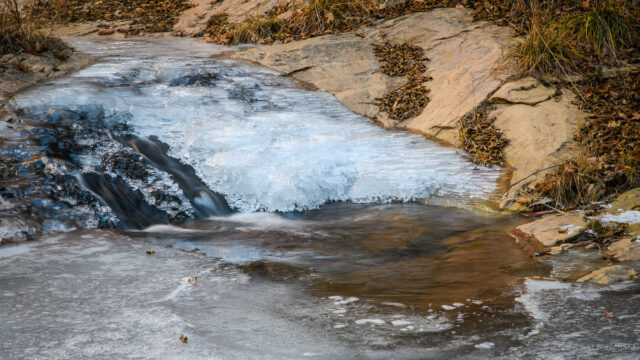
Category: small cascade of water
[241,137]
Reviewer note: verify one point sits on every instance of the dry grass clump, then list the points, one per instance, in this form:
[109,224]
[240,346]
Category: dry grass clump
[408,100]
[546,49]
[574,36]
[318,17]
[609,159]
[604,26]
[19,35]
[480,138]
[147,15]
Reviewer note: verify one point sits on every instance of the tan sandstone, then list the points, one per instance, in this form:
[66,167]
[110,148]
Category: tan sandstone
[194,20]
[462,54]
[551,230]
[629,200]
[625,250]
[610,274]
[539,125]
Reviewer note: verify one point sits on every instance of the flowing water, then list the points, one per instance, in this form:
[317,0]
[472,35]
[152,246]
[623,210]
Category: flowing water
[170,190]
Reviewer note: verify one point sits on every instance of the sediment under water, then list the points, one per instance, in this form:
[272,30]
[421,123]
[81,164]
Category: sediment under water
[179,149]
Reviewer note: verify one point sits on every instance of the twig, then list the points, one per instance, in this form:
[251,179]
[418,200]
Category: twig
[297,70]
[533,173]
[547,205]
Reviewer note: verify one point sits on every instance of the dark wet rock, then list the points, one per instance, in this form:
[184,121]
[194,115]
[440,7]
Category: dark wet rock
[275,271]
[206,202]
[130,206]
[48,149]
[127,164]
[206,79]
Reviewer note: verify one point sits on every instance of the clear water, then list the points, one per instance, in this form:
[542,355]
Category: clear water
[369,278]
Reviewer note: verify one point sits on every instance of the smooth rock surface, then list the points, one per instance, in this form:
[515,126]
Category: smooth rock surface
[610,275]
[540,135]
[38,68]
[629,200]
[462,54]
[554,229]
[194,20]
[625,250]
[527,91]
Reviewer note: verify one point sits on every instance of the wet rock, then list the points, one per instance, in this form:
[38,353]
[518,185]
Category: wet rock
[47,66]
[15,229]
[130,206]
[626,249]
[106,31]
[629,200]
[551,230]
[275,271]
[462,57]
[610,274]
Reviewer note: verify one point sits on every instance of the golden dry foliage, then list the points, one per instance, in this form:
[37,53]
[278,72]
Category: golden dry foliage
[545,49]
[318,17]
[480,138]
[609,159]
[603,26]
[18,34]
[408,100]
[146,15]
[400,59]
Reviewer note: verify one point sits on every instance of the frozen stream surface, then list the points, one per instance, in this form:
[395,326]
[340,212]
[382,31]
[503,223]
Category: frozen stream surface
[255,136]
[330,252]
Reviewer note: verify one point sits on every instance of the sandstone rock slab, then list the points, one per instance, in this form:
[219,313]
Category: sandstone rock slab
[194,20]
[553,229]
[629,200]
[625,250]
[527,91]
[462,54]
[541,135]
[610,274]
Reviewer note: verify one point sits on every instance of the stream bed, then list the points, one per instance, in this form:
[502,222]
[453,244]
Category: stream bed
[169,190]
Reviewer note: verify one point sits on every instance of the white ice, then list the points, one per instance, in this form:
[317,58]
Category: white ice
[259,138]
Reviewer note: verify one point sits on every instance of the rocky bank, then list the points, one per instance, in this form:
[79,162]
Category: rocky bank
[465,69]
[21,71]
[464,64]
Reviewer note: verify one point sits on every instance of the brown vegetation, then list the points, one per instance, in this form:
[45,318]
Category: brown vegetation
[480,138]
[609,141]
[408,100]
[145,15]
[18,35]
[317,17]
